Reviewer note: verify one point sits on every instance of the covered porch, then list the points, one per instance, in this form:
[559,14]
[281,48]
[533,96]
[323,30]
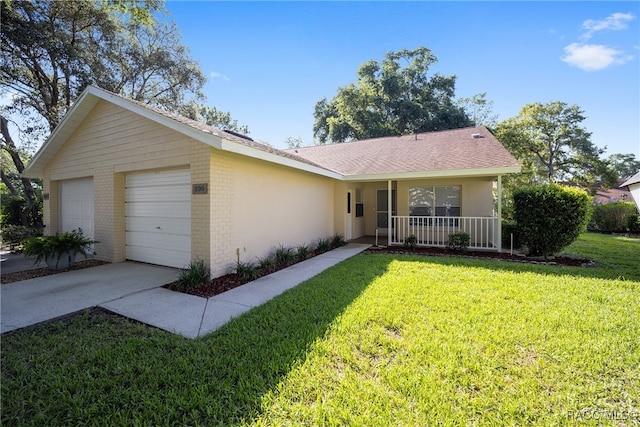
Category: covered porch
[388,212]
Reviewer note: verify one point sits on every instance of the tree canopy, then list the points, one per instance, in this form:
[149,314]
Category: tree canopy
[50,51]
[552,145]
[214,117]
[624,165]
[393,97]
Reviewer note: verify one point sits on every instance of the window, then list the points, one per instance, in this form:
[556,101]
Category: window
[434,201]
[359,203]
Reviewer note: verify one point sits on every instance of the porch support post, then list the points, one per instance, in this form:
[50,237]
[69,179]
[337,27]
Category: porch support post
[499,213]
[389,212]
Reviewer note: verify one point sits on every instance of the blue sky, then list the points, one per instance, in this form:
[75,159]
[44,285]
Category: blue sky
[268,63]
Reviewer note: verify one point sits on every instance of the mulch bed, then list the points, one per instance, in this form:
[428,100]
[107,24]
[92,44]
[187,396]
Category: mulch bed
[215,287]
[230,281]
[40,272]
[552,260]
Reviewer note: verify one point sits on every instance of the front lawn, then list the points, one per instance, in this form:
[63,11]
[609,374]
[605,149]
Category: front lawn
[376,340]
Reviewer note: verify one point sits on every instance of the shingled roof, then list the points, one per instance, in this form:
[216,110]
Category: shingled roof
[459,152]
[468,149]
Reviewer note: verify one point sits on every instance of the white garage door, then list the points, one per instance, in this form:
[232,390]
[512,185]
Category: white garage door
[158,217]
[76,205]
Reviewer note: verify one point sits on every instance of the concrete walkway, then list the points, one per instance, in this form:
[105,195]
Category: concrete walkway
[135,290]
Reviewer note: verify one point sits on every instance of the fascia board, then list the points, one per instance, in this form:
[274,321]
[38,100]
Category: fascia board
[244,150]
[453,173]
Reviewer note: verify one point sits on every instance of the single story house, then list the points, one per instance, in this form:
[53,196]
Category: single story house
[619,193]
[157,187]
[633,184]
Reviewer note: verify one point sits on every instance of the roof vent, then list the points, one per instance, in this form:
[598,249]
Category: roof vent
[238,134]
[476,136]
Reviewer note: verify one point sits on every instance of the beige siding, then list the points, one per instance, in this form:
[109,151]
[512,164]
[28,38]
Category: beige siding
[110,143]
[259,205]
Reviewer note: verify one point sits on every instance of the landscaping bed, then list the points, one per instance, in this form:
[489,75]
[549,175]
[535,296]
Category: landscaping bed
[502,256]
[227,282]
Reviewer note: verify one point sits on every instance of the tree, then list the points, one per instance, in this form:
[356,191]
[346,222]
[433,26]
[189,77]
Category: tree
[294,142]
[392,97]
[479,109]
[624,165]
[214,117]
[51,50]
[551,145]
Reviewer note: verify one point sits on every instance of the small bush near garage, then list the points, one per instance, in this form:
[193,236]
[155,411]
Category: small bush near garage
[196,274]
[611,218]
[633,223]
[550,217]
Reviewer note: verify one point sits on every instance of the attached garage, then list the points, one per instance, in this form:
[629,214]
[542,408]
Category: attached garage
[158,217]
[76,206]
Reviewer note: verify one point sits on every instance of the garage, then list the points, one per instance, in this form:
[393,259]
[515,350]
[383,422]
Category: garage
[158,217]
[76,206]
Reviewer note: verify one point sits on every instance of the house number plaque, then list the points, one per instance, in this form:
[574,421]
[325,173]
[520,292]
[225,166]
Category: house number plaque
[200,189]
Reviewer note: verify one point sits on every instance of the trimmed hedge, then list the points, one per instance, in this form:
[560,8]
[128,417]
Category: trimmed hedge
[550,217]
[612,218]
[633,223]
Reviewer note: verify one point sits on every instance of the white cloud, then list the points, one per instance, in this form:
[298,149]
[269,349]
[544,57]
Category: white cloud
[593,57]
[216,75]
[616,21]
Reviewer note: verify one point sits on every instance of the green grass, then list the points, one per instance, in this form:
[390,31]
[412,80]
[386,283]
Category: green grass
[376,340]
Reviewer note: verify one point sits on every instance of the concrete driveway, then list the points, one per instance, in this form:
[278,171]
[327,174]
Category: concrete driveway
[135,290]
[36,300]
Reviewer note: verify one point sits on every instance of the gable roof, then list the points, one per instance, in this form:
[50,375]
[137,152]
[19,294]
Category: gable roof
[635,179]
[225,141]
[470,151]
[451,153]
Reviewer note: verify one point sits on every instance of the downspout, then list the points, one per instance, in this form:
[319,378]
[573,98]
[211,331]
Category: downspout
[499,213]
[389,212]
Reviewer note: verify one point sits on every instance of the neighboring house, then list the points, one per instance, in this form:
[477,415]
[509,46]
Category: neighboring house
[633,184]
[616,194]
[156,187]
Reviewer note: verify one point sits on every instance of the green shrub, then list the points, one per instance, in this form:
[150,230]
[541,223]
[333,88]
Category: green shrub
[337,241]
[196,274]
[509,228]
[247,271]
[633,223]
[411,241]
[267,264]
[284,256]
[459,242]
[61,247]
[13,235]
[302,252]
[550,217]
[323,245]
[611,218]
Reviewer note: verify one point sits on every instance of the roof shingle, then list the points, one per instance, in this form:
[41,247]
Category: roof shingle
[467,148]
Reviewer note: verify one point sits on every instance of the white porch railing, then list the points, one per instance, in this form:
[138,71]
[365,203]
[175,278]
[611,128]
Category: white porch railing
[435,230]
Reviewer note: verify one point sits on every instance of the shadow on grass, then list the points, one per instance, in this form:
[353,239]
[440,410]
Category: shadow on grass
[110,370]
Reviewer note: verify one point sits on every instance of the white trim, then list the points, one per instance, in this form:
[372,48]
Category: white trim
[453,173]
[389,211]
[499,213]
